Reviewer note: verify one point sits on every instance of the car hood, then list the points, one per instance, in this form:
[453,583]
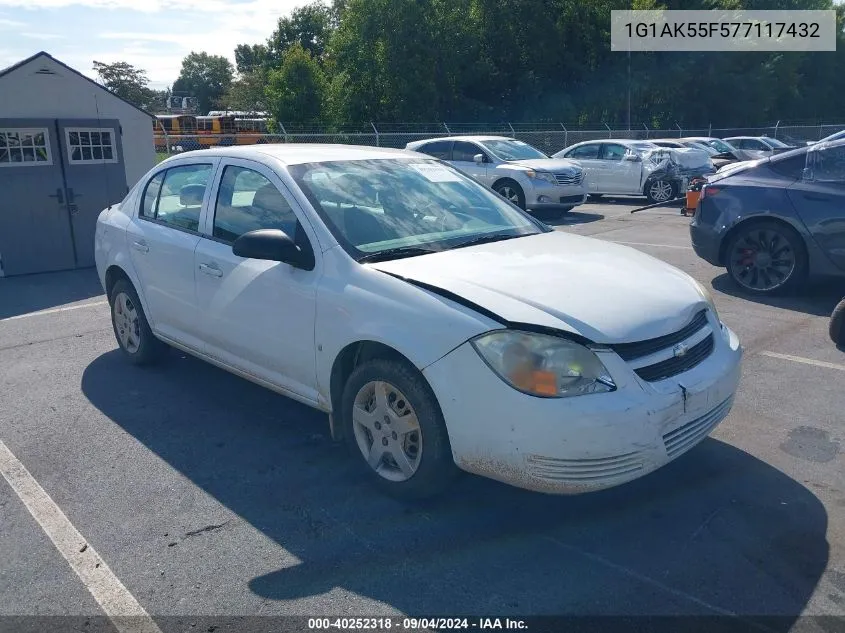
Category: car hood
[605,292]
[545,164]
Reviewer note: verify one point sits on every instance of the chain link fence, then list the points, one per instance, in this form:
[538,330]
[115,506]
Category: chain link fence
[547,137]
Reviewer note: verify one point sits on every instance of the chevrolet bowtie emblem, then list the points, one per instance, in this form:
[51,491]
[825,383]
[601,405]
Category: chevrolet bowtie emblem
[680,350]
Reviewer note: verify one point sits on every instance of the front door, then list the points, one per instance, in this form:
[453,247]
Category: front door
[35,228]
[256,315]
[463,157]
[92,154]
[617,174]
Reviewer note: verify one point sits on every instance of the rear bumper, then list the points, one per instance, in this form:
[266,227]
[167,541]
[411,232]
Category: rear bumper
[706,241]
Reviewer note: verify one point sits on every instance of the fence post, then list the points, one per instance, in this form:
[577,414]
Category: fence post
[376,131]
[777,125]
[680,131]
[284,131]
[709,130]
[609,131]
[821,131]
[647,131]
[512,132]
[448,131]
[565,135]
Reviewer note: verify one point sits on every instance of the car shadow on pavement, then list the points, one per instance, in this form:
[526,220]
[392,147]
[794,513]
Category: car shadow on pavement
[30,293]
[716,532]
[574,217]
[817,296]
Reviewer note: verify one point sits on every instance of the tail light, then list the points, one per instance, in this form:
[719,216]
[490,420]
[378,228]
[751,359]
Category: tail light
[708,191]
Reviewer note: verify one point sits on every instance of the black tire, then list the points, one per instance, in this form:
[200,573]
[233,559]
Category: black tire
[654,187]
[595,197]
[511,190]
[837,324]
[780,243]
[149,349]
[550,214]
[436,468]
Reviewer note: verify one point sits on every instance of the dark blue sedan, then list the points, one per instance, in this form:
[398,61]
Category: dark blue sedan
[771,222]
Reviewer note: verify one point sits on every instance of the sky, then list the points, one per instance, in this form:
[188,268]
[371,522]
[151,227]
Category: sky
[153,35]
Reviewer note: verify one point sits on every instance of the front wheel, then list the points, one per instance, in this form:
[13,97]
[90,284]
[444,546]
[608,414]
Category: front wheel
[396,431]
[837,324]
[660,190]
[511,190]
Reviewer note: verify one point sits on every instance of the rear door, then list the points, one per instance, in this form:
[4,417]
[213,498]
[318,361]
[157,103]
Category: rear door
[819,198]
[92,154]
[35,228]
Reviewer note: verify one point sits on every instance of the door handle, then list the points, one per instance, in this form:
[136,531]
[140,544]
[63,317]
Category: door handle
[141,246]
[59,195]
[211,269]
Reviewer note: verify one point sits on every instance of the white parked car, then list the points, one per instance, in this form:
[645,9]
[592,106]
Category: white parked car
[637,168]
[439,326]
[759,146]
[521,173]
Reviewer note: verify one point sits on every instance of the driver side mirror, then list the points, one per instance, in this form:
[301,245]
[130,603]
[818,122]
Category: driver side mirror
[807,174]
[479,158]
[634,158]
[272,245]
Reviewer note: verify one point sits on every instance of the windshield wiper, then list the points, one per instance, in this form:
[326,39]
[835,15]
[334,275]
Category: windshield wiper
[484,239]
[395,253]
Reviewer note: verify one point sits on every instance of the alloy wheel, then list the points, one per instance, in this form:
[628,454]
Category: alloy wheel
[660,190]
[126,322]
[762,260]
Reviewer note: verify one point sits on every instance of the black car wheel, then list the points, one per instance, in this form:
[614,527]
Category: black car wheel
[837,324]
[766,258]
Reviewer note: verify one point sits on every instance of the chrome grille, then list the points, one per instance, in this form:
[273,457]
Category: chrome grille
[570,179]
[632,351]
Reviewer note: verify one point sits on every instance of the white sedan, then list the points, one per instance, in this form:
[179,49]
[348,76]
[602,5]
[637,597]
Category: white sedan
[441,327]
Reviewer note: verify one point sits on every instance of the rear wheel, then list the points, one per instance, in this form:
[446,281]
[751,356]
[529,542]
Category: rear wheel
[837,324]
[766,258]
[396,431]
[511,190]
[134,336]
[551,214]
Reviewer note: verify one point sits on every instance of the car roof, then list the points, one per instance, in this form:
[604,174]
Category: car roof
[298,153]
[469,137]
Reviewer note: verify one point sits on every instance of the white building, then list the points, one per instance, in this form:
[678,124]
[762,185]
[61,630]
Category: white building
[68,149]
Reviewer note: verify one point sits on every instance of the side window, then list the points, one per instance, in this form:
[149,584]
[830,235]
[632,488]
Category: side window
[789,167]
[585,151]
[247,201]
[175,196]
[739,143]
[828,165]
[438,149]
[463,151]
[612,151]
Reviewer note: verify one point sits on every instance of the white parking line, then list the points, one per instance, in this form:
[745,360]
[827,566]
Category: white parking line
[93,304]
[806,361]
[686,248]
[127,615]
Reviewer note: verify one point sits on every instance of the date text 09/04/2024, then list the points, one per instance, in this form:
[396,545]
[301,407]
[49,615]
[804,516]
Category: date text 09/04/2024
[415,624]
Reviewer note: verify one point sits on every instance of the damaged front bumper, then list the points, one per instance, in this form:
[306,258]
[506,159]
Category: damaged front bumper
[583,443]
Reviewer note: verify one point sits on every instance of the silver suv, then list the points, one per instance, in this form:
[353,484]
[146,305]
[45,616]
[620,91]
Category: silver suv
[549,187]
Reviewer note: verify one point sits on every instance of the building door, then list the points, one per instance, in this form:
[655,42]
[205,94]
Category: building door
[55,178]
[35,228]
[92,156]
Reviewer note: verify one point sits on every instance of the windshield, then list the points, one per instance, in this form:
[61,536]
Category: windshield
[512,149]
[375,206]
[774,142]
[833,137]
[712,151]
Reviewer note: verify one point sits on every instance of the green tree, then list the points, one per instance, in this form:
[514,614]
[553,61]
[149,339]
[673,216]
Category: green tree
[126,81]
[250,57]
[296,89]
[206,77]
[309,26]
[247,92]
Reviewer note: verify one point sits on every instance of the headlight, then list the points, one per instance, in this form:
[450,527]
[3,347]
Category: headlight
[542,365]
[542,175]
[705,294]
